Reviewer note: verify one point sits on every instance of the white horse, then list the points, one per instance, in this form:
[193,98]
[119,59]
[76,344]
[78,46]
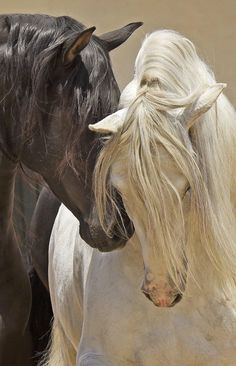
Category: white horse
[170,154]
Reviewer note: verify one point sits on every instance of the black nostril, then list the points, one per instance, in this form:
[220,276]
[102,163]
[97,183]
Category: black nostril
[176,300]
[147,295]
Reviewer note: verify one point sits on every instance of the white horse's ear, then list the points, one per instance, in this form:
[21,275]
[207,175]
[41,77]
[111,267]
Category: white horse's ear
[201,105]
[111,124]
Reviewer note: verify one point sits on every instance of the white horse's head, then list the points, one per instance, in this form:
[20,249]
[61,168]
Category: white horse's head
[151,160]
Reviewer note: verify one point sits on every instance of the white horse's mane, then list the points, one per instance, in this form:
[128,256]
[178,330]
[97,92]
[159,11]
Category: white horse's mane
[168,75]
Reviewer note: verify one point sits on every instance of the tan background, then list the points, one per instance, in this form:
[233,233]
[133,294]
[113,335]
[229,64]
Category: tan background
[210,24]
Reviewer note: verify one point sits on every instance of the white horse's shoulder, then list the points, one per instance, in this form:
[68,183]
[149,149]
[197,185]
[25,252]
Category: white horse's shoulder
[65,241]
[69,260]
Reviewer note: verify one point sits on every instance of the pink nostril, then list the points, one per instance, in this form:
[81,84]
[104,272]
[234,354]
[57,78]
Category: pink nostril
[161,296]
[162,302]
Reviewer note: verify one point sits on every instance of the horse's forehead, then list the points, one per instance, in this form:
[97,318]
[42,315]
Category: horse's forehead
[128,94]
[168,167]
[119,171]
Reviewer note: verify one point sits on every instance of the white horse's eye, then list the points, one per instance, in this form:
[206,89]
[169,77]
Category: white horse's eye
[187,192]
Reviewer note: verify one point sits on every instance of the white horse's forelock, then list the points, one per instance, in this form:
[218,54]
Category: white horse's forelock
[168,75]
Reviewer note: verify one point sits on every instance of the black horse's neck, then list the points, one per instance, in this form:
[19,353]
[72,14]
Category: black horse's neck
[14,282]
[7,181]
[10,157]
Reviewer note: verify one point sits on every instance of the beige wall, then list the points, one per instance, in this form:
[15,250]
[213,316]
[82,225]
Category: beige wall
[210,24]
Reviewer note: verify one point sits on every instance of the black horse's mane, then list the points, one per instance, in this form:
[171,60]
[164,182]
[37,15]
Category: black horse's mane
[36,84]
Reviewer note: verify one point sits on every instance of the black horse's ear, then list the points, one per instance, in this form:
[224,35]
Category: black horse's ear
[78,45]
[117,37]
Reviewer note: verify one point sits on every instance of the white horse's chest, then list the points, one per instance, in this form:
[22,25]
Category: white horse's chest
[69,258]
[185,339]
[132,329]
[101,293]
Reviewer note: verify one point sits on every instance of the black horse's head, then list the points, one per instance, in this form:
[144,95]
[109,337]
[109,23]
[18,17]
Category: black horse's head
[56,78]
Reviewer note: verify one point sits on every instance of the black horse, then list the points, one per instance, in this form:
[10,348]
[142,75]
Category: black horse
[56,77]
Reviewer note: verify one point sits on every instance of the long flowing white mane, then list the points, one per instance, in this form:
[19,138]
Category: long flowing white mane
[168,76]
